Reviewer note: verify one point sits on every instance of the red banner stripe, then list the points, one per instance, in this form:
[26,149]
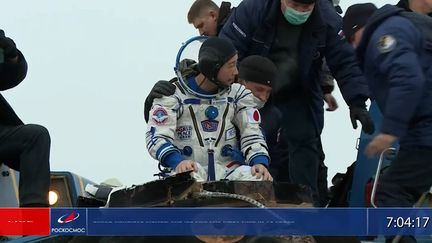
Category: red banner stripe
[24,221]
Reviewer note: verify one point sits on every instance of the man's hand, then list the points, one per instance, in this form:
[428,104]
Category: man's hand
[380,143]
[358,112]
[160,89]
[260,170]
[331,101]
[186,165]
[188,67]
[9,48]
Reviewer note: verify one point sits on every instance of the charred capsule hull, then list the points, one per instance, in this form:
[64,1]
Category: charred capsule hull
[182,190]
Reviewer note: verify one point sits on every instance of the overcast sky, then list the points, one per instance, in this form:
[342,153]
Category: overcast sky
[92,63]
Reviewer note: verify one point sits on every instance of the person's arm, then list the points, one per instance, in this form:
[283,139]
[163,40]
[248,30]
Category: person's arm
[247,119]
[327,87]
[163,88]
[326,78]
[161,132]
[13,66]
[342,61]
[393,50]
[239,26]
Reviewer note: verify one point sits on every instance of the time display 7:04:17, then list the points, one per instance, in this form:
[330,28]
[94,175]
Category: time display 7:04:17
[407,222]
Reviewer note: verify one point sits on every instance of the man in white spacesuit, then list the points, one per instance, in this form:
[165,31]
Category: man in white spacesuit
[195,129]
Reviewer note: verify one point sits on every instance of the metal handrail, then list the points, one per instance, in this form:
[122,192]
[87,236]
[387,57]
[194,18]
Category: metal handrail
[377,174]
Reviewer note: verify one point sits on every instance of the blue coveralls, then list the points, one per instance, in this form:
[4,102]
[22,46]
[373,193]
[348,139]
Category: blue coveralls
[396,56]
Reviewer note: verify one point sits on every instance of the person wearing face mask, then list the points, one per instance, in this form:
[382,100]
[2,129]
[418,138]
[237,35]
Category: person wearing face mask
[209,19]
[257,73]
[296,35]
[196,128]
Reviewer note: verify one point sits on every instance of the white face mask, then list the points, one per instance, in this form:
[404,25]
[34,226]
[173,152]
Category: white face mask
[296,17]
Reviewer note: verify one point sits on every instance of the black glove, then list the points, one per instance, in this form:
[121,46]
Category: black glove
[358,112]
[188,67]
[160,89]
[8,46]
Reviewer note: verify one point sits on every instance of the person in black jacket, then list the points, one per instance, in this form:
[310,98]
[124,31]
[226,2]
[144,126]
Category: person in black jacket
[257,73]
[296,35]
[393,51]
[207,17]
[24,148]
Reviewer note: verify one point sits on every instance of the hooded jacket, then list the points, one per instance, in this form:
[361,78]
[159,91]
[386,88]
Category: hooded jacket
[396,55]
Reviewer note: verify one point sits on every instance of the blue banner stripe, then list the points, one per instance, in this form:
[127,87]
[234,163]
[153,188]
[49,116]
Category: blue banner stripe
[240,221]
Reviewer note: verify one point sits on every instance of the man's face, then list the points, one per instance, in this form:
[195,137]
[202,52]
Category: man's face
[261,91]
[356,37]
[206,24]
[301,7]
[228,72]
[429,4]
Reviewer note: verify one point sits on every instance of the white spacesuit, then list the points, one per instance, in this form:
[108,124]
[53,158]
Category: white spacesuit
[205,130]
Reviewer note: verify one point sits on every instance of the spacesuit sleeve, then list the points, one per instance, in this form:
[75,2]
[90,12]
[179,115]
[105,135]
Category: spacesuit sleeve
[161,129]
[247,119]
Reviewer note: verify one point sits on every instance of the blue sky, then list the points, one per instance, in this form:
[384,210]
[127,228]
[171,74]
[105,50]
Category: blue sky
[92,63]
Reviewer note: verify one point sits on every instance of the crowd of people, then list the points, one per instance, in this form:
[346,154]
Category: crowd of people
[381,54]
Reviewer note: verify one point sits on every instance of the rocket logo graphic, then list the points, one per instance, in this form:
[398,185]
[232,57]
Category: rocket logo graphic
[68,221]
[68,218]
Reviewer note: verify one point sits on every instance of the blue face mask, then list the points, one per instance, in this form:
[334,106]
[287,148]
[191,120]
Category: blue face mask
[296,17]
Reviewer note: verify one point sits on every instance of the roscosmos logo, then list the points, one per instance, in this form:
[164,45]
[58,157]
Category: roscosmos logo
[68,218]
[68,221]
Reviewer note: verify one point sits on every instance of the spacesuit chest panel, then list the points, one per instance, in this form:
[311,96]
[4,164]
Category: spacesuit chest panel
[206,124]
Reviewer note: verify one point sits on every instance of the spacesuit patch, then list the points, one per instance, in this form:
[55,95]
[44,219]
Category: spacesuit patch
[209,125]
[253,116]
[184,132]
[230,133]
[160,116]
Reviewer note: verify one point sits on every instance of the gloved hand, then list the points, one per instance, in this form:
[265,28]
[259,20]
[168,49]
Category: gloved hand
[8,46]
[358,112]
[188,67]
[160,89]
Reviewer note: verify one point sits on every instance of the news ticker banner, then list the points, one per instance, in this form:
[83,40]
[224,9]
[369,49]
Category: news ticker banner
[215,221]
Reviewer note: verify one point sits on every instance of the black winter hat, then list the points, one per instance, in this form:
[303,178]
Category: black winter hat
[257,69]
[356,17]
[305,1]
[213,54]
